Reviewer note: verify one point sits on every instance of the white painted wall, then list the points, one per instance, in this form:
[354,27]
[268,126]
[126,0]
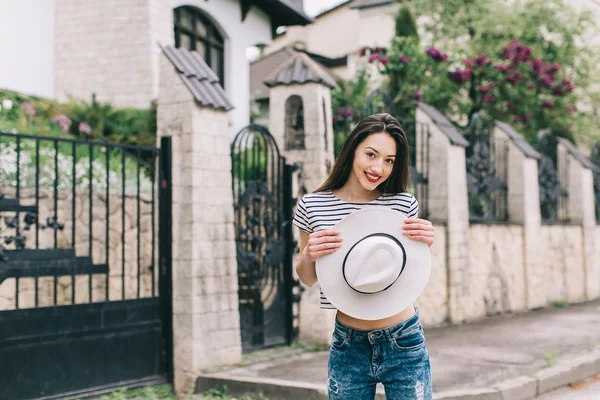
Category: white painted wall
[255,29]
[27,46]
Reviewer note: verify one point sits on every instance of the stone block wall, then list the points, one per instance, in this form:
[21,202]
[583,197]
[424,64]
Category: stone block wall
[206,321]
[121,74]
[123,272]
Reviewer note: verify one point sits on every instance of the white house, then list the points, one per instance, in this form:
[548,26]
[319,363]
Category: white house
[341,31]
[61,48]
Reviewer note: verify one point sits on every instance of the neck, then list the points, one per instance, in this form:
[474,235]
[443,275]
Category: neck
[353,191]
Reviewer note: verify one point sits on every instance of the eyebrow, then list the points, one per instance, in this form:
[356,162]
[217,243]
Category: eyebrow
[369,147]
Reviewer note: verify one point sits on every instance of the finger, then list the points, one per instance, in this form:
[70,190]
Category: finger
[325,246]
[326,232]
[419,233]
[322,253]
[413,220]
[423,239]
[326,239]
[418,226]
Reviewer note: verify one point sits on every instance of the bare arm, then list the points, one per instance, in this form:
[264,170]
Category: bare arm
[312,247]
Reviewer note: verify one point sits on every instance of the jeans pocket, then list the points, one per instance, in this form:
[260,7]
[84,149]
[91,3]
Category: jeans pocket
[410,340]
[338,340]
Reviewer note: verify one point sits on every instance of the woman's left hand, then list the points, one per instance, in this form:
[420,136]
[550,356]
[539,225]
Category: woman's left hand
[419,229]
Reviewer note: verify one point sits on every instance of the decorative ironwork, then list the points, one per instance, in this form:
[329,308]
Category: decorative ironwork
[553,195]
[486,158]
[262,206]
[595,157]
[78,294]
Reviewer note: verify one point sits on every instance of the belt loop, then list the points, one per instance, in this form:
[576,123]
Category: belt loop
[349,332]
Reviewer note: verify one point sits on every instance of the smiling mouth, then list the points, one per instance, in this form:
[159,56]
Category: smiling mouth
[372,178]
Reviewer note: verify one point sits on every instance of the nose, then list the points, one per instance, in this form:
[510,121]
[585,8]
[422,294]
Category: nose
[377,167]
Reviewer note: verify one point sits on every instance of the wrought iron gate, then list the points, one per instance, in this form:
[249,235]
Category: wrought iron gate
[263,211]
[83,306]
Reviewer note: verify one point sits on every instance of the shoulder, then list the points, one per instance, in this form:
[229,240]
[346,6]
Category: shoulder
[319,198]
[406,203]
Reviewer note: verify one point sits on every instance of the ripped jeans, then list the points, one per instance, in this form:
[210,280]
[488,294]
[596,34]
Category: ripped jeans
[396,356]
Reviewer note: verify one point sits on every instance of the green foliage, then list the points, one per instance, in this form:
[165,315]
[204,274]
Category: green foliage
[551,358]
[158,392]
[554,32]
[346,102]
[222,393]
[405,24]
[560,304]
[93,120]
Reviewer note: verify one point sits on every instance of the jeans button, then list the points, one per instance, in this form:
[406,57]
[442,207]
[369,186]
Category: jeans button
[372,336]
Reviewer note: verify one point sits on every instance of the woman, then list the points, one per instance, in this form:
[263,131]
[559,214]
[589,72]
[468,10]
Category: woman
[371,170]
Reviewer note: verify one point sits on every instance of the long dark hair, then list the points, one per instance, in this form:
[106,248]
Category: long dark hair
[398,180]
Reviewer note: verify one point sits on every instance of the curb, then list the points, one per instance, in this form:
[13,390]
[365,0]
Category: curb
[521,388]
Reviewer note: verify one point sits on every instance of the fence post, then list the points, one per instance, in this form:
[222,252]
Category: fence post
[524,208]
[578,171]
[448,202]
[206,321]
[300,120]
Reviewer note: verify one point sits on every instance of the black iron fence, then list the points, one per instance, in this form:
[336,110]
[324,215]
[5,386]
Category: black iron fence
[78,265]
[92,201]
[487,169]
[552,180]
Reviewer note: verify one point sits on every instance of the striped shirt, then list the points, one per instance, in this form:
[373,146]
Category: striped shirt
[319,211]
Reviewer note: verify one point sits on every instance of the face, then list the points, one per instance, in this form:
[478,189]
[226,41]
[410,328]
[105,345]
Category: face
[374,160]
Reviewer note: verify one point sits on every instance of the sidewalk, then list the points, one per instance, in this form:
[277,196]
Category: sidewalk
[469,358]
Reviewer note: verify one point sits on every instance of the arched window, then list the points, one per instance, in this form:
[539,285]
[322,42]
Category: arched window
[294,123]
[193,31]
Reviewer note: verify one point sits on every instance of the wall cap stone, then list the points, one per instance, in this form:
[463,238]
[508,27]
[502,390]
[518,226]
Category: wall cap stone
[444,125]
[518,140]
[571,149]
[300,69]
[202,82]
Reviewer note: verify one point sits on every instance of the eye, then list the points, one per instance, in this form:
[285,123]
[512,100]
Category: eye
[390,161]
[371,154]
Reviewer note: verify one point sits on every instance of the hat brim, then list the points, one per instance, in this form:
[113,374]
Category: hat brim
[405,290]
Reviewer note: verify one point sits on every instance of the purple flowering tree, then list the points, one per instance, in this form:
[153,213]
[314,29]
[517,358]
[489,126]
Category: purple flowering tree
[414,74]
[519,87]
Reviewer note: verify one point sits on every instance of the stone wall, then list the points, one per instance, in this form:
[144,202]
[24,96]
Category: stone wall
[118,205]
[433,302]
[563,259]
[111,56]
[498,272]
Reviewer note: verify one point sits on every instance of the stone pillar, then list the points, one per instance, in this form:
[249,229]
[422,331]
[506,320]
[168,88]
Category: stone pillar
[448,201]
[206,322]
[580,185]
[314,160]
[524,208]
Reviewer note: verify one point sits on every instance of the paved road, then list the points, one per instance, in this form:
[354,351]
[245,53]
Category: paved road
[473,355]
[586,390]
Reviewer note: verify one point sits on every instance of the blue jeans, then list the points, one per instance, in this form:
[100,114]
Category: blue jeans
[396,356]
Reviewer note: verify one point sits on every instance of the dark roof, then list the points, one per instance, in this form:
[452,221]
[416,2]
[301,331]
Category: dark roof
[300,69]
[198,77]
[577,155]
[283,13]
[262,68]
[370,3]
[518,140]
[444,124]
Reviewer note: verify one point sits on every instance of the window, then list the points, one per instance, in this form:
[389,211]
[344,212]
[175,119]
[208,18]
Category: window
[294,123]
[193,31]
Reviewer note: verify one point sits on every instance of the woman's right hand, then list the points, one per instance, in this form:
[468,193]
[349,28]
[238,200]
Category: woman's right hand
[322,243]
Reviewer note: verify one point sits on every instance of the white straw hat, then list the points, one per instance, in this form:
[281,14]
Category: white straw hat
[378,271]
